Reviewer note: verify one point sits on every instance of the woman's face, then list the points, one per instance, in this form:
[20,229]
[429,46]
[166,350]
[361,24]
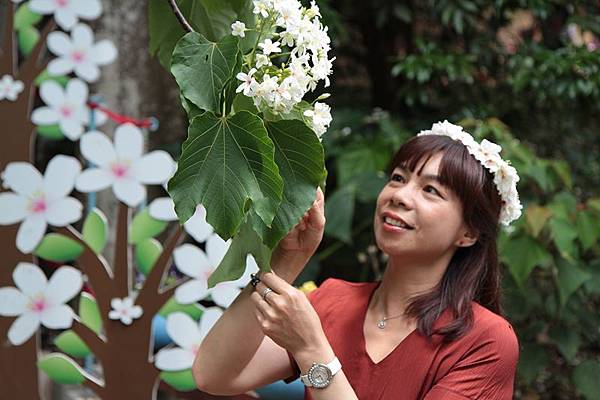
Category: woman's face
[432,210]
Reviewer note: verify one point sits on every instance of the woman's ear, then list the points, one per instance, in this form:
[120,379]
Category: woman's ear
[467,239]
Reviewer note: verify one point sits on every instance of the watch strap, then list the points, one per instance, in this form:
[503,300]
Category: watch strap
[334,366]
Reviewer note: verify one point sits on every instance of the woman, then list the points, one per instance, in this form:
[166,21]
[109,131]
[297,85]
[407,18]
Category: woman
[430,329]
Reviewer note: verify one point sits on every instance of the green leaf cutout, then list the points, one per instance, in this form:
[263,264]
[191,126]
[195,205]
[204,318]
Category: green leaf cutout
[89,312]
[225,163]
[58,248]
[144,226]
[95,230]
[61,369]
[28,38]
[45,76]
[70,343]
[202,68]
[171,306]
[24,17]
[180,380]
[147,252]
[52,132]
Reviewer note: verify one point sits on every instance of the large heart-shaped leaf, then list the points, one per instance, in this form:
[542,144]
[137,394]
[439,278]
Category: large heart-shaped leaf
[521,254]
[225,163]
[570,277]
[202,68]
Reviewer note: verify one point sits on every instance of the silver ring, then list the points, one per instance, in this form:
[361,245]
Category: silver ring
[265,293]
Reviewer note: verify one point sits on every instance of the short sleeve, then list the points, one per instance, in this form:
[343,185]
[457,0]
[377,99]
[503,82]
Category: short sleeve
[314,297]
[486,371]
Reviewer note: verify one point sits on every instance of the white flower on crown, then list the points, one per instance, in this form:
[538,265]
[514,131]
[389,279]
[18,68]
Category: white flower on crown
[67,12]
[124,310]
[488,155]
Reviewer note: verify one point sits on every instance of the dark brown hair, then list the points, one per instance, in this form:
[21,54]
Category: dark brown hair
[474,271]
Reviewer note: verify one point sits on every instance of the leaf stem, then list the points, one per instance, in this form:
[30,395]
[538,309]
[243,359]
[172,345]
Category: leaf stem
[186,25]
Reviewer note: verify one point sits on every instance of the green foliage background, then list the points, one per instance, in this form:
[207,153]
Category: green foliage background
[402,66]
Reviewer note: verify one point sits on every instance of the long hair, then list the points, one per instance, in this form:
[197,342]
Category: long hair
[474,271]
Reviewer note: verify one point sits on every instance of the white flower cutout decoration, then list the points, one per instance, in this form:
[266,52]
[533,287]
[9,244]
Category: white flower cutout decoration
[37,301]
[198,265]
[66,107]
[124,310]
[122,165]
[188,335]
[67,12]
[163,209]
[9,88]
[79,53]
[37,200]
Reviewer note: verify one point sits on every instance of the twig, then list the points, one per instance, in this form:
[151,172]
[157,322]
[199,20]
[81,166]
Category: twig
[95,386]
[30,69]
[8,59]
[180,16]
[91,339]
[122,272]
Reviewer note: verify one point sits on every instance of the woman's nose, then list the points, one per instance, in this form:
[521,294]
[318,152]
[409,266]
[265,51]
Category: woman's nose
[403,196]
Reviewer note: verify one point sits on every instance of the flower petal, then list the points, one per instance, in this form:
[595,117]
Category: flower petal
[104,52]
[129,141]
[65,18]
[87,71]
[82,36]
[57,317]
[209,317]
[77,91]
[97,148]
[64,211]
[197,226]
[22,177]
[52,93]
[192,261]
[44,116]
[163,209]
[183,330]
[29,278]
[12,302]
[60,176]
[64,284]
[59,43]
[191,291]
[42,6]
[90,9]
[174,359]
[129,192]
[13,208]
[154,168]
[93,180]
[60,66]
[71,128]
[23,328]
[30,233]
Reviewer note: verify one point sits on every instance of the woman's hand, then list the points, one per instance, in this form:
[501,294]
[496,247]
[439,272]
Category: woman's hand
[304,238]
[287,316]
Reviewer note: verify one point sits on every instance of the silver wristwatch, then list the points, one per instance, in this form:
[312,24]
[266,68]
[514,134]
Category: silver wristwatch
[319,375]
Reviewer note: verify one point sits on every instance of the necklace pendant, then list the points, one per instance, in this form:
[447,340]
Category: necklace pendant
[381,324]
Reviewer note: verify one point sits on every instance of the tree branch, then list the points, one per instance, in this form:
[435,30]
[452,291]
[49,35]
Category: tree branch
[149,297]
[30,69]
[186,25]
[91,339]
[95,386]
[122,272]
[8,59]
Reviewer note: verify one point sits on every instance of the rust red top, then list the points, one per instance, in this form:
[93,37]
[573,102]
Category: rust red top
[479,365]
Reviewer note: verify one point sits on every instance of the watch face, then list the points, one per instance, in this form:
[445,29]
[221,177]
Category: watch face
[319,375]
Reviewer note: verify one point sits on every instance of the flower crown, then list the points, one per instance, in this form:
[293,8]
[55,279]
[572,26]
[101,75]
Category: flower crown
[488,154]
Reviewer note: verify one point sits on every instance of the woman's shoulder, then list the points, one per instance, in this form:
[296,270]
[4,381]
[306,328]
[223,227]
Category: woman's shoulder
[492,327]
[331,283]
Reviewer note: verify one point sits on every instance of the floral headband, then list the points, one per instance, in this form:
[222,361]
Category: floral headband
[488,154]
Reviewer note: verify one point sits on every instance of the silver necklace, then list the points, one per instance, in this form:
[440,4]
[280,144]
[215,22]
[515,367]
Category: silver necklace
[381,323]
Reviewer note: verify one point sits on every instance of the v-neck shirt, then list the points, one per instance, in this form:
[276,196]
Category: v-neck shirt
[479,365]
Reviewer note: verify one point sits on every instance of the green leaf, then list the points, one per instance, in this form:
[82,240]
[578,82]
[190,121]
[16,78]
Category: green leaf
[339,211]
[171,306]
[523,253]
[25,18]
[180,380]
[357,160]
[233,265]
[369,184]
[89,312]
[567,340]
[61,369]
[58,248]
[533,358]
[594,205]
[28,38]
[585,377]
[588,227]
[60,79]
[225,163]
[70,343]
[244,103]
[300,160]
[144,226]
[563,235]
[202,68]
[563,171]
[50,131]
[537,217]
[147,252]
[95,230]
[570,277]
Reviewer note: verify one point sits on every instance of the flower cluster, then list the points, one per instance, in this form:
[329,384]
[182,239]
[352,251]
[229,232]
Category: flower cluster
[488,154]
[279,88]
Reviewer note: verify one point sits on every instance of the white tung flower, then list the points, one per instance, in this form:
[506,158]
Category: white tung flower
[37,301]
[124,310]
[79,53]
[66,107]
[122,165]
[9,88]
[37,200]
[320,117]
[163,209]
[248,84]
[238,29]
[67,12]
[187,334]
[269,47]
[262,60]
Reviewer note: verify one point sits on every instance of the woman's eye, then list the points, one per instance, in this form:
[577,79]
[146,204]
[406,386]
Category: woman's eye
[397,176]
[435,190]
